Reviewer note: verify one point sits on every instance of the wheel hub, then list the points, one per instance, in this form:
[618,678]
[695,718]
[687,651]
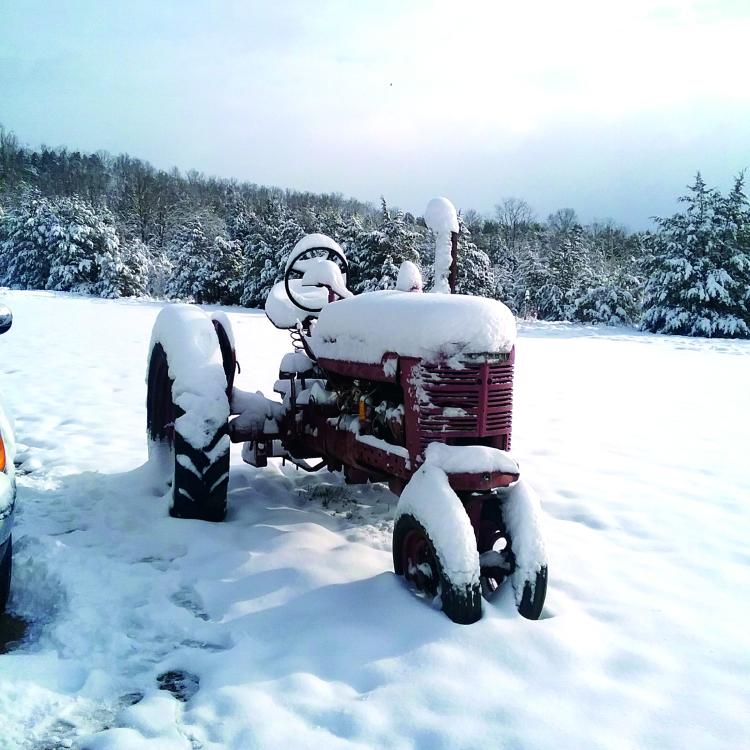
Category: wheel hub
[419,562]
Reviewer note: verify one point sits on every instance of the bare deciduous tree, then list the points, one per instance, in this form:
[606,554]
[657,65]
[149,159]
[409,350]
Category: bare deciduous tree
[514,217]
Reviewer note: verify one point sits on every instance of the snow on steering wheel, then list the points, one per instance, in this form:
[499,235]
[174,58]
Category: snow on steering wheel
[316,261]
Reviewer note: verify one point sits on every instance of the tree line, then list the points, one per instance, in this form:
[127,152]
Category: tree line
[117,226]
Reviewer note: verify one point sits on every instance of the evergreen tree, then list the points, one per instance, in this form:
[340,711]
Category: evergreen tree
[378,253]
[220,279]
[565,268]
[240,220]
[188,251]
[275,234]
[130,273]
[29,229]
[612,301]
[474,269]
[85,243]
[697,266]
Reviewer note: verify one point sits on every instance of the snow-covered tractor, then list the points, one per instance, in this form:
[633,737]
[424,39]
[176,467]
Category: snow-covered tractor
[410,388]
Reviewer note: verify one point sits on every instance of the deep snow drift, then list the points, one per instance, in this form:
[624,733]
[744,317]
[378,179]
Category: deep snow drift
[285,627]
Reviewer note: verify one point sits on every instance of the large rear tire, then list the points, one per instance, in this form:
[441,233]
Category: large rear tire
[187,393]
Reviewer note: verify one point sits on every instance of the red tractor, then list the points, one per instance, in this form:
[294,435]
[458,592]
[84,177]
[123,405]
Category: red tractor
[399,386]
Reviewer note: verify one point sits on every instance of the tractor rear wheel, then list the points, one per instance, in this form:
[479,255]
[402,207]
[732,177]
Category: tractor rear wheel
[187,412]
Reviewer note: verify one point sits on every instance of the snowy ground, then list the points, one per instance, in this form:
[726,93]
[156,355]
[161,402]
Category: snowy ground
[288,616]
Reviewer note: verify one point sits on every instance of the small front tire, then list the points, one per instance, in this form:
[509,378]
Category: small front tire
[532,599]
[416,559]
[529,593]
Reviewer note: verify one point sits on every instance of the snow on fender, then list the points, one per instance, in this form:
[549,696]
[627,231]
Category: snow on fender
[189,340]
[522,513]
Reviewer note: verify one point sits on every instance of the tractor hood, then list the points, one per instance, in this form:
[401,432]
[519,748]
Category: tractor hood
[411,324]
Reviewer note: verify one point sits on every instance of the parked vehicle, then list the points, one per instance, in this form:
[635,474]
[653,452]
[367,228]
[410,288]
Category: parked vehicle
[7,485]
[393,386]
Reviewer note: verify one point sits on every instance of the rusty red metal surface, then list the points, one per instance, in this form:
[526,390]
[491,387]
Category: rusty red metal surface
[461,405]
[382,372]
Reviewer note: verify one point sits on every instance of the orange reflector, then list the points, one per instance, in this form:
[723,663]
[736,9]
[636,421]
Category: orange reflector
[362,412]
[2,454]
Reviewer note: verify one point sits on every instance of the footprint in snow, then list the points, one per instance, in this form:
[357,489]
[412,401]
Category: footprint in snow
[183,685]
[189,599]
[130,699]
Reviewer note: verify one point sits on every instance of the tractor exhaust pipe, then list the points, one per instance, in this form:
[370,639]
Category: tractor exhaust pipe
[440,216]
[453,275]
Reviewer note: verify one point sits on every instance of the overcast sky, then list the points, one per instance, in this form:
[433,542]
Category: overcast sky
[606,107]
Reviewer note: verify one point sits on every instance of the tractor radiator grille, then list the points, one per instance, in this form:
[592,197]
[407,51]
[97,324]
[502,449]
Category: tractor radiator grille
[475,401]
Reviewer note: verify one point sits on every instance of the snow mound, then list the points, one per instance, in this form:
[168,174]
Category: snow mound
[364,328]
[189,340]
[429,498]
[409,278]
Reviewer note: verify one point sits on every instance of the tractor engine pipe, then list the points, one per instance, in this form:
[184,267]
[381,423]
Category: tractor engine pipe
[440,216]
[453,275]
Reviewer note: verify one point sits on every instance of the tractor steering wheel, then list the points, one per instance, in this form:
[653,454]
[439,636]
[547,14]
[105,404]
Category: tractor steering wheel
[293,272]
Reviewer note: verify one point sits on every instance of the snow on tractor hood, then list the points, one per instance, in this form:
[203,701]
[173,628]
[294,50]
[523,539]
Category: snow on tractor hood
[430,326]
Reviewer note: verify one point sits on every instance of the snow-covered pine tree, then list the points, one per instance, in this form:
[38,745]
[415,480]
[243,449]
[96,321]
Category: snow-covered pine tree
[612,300]
[731,284]
[474,268]
[240,220]
[220,280]
[266,250]
[696,263]
[378,253]
[564,266]
[131,272]
[28,230]
[612,294]
[86,243]
[188,252]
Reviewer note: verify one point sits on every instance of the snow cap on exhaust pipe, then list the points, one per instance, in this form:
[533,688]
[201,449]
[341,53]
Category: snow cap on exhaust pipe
[440,216]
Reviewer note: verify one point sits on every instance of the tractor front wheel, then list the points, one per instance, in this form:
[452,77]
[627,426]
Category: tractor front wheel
[416,559]
[498,553]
